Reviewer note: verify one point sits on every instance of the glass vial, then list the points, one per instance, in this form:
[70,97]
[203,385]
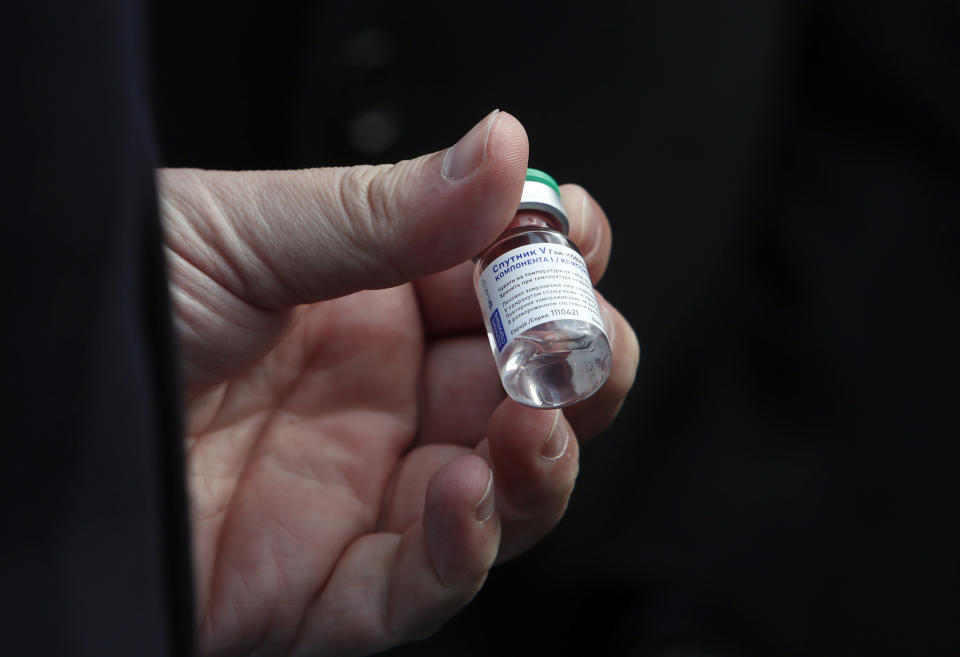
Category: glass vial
[539,307]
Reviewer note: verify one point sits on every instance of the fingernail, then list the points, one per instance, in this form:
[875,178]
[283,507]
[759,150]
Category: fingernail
[557,439]
[466,156]
[483,509]
[586,212]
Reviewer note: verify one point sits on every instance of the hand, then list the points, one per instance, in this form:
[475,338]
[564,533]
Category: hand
[344,412]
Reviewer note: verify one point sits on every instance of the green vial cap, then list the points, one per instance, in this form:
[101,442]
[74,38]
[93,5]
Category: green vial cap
[541,192]
[536,175]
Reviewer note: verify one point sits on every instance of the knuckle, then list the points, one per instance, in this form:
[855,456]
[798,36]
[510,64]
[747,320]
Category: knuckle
[369,209]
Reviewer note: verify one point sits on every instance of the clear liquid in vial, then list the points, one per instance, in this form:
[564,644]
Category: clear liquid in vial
[554,363]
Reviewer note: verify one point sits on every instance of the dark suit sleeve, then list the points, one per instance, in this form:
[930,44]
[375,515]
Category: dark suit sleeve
[94,553]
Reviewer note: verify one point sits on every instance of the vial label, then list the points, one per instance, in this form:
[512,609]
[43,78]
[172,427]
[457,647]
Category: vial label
[534,284]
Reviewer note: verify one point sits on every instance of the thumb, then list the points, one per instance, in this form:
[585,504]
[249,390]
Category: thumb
[280,238]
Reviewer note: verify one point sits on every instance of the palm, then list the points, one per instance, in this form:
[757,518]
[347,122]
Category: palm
[324,416]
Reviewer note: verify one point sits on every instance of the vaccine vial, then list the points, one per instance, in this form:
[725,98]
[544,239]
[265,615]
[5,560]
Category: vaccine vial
[539,306]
